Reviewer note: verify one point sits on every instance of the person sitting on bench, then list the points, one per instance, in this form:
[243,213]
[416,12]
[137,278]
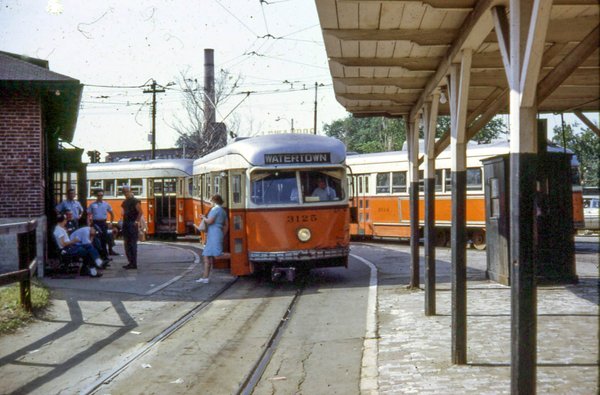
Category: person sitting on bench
[74,247]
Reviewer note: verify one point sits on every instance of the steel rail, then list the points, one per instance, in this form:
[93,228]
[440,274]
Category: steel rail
[255,374]
[120,368]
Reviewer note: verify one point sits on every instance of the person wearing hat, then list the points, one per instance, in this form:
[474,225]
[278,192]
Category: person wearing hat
[98,213]
[131,212]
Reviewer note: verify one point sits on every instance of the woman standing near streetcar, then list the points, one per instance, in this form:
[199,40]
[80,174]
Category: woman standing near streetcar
[217,226]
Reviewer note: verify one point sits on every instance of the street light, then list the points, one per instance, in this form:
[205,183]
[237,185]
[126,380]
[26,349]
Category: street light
[291,122]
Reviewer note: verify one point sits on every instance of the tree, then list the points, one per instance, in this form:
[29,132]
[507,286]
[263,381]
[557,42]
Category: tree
[372,134]
[586,146]
[494,129]
[195,136]
[376,134]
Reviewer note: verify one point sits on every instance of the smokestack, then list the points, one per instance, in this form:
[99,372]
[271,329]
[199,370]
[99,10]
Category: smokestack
[209,87]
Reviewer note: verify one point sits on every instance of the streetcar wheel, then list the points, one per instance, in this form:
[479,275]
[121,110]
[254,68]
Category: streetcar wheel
[478,239]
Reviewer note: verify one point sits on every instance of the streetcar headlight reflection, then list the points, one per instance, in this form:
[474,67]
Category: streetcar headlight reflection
[304,234]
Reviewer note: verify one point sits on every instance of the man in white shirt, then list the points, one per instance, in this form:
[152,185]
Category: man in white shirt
[73,246]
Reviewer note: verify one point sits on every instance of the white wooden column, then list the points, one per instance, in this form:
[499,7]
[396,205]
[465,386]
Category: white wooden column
[459,92]
[413,154]
[430,114]
[522,40]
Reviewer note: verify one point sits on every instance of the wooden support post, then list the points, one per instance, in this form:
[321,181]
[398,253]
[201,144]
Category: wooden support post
[26,246]
[459,88]
[528,24]
[413,154]
[588,122]
[429,125]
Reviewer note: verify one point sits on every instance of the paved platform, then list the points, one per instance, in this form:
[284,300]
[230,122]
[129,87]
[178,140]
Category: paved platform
[415,350]
[124,308]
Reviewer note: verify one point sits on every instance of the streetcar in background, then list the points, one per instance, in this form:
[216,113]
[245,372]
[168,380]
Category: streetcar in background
[380,193]
[277,222]
[163,186]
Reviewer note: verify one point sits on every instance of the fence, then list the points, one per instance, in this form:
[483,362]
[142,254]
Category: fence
[26,246]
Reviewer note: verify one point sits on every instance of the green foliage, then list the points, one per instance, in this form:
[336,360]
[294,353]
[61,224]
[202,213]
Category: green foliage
[365,135]
[378,134]
[493,130]
[586,145]
[12,315]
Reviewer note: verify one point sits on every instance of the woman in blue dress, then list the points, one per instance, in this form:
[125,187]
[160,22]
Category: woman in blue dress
[217,227]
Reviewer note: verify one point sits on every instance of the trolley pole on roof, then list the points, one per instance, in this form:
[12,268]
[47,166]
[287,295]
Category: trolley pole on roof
[154,91]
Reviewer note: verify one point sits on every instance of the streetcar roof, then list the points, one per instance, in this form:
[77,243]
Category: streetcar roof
[254,149]
[146,168]
[497,147]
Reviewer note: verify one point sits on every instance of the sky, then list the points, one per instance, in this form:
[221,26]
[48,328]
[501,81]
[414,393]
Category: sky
[115,47]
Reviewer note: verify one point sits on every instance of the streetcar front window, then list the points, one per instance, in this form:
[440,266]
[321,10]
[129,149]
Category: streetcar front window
[320,186]
[281,187]
[274,187]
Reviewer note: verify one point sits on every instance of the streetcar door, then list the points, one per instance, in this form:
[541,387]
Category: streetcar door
[180,205]
[151,208]
[363,204]
[239,263]
[165,205]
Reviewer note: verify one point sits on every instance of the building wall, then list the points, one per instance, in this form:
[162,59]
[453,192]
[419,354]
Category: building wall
[21,152]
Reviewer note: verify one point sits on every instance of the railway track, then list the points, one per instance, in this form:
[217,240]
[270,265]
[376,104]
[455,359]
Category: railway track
[271,313]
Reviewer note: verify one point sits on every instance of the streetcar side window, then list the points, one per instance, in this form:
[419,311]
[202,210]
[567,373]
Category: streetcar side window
[236,186]
[120,183]
[95,185]
[575,176]
[109,187]
[439,176]
[448,180]
[382,183]
[217,183]
[398,181]
[208,189]
[474,182]
[136,186]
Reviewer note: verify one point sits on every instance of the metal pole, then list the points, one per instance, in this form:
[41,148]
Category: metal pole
[413,153]
[153,156]
[315,121]
[154,91]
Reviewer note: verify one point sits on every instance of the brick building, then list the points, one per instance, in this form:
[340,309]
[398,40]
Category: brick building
[38,108]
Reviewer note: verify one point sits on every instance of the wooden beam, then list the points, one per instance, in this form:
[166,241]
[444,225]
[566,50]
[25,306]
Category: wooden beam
[400,82]
[584,49]
[501,25]
[588,122]
[473,23]
[423,37]
[536,39]
[400,98]
[414,64]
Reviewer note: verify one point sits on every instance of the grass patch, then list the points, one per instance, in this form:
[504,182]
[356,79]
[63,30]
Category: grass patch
[12,315]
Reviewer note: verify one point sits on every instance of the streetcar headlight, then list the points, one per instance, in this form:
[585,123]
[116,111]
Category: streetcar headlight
[304,234]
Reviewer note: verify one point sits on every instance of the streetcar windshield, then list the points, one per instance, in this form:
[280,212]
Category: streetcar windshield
[296,187]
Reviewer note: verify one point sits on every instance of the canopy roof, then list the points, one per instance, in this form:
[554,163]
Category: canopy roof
[387,57]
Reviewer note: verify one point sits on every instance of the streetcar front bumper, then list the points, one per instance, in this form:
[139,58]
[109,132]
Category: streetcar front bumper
[299,255]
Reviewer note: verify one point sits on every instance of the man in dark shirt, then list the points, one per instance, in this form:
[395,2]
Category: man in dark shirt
[131,212]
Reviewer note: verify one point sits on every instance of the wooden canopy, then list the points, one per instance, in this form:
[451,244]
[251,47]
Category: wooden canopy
[388,57]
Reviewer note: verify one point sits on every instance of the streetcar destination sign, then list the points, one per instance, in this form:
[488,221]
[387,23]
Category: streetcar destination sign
[319,157]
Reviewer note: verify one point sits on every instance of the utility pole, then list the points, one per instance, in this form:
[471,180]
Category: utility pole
[315,122]
[154,91]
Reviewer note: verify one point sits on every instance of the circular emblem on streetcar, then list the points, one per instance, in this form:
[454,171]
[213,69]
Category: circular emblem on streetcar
[304,234]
